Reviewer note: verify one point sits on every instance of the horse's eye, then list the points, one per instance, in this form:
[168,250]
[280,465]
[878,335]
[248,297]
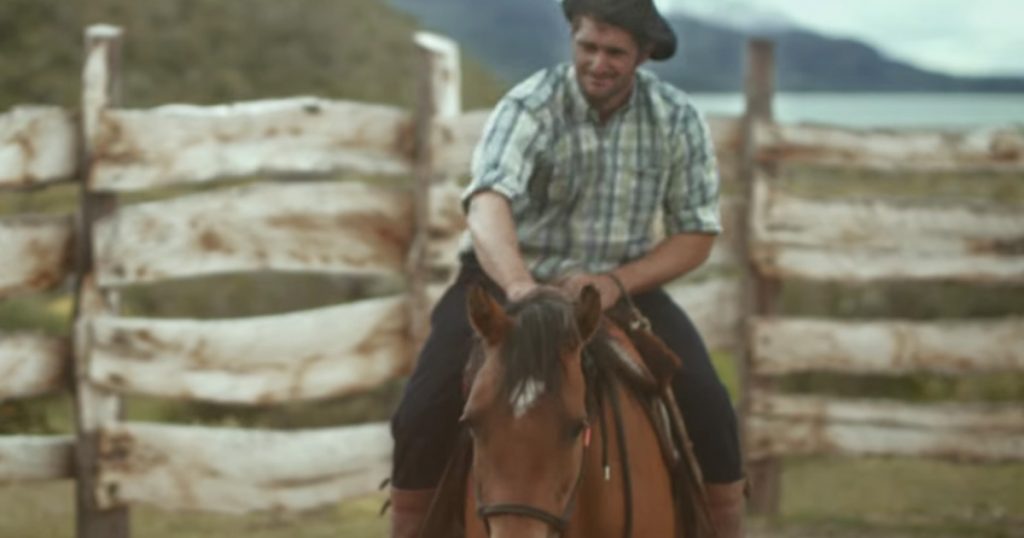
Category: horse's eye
[577,427]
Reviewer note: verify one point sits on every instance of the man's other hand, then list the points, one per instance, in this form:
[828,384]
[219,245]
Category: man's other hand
[604,284]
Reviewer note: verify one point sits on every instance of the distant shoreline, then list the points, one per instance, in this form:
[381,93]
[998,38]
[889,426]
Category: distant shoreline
[874,109]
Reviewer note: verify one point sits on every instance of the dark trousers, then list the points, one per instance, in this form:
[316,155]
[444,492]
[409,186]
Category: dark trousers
[425,425]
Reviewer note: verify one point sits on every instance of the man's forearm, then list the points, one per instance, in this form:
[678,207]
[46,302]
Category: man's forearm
[495,242]
[675,256]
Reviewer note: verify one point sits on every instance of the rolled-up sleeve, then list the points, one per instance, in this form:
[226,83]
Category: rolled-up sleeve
[691,196]
[504,158]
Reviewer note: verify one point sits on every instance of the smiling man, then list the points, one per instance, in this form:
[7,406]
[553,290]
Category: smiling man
[574,166]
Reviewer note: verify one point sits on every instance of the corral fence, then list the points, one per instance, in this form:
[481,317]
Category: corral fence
[384,228]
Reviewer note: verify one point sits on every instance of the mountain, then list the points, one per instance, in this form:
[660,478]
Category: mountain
[517,38]
[737,14]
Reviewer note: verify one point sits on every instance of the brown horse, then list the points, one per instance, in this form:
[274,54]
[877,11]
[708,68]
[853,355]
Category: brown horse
[560,447]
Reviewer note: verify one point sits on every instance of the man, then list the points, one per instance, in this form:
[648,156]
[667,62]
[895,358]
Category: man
[573,167]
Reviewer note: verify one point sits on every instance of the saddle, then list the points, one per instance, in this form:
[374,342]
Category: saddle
[647,372]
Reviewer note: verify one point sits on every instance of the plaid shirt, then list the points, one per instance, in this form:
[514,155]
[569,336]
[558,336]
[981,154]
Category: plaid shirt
[584,196]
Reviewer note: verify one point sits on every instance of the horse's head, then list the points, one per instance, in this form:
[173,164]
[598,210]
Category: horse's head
[527,410]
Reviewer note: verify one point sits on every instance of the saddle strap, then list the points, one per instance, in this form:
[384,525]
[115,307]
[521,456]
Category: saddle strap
[691,498]
[660,360]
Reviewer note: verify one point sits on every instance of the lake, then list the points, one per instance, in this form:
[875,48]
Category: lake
[905,110]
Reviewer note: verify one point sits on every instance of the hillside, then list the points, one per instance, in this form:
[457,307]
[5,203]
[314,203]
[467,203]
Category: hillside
[208,51]
[519,37]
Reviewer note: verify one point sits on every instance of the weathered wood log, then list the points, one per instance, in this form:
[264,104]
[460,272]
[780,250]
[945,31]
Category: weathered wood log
[867,241]
[101,89]
[35,253]
[793,425]
[32,365]
[784,346]
[37,146]
[141,149]
[713,305]
[438,97]
[858,267]
[447,224]
[759,293]
[454,140]
[239,471]
[343,227]
[319,353]
[26,458]
[986,148]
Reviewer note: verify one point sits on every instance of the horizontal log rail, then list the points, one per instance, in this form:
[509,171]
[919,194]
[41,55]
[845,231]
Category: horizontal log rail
[888,347]
[38,146]
[143,149]
[873,241]
[801,425]
[32,364]
[334,227]
[31,458]
[35,253]
[884,149]
[238,471]
[327,352]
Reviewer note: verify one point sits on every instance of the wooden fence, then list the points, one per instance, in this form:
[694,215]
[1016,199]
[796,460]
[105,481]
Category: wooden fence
[792,238]
[376,228]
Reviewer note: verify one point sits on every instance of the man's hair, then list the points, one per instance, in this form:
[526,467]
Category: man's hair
[643,41]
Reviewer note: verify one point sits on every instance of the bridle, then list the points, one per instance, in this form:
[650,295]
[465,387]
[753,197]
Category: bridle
[559,523]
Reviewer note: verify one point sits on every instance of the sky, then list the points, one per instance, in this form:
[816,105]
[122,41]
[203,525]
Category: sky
[964,37]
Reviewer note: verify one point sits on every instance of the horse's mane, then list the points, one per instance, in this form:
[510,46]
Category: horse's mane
[544,329]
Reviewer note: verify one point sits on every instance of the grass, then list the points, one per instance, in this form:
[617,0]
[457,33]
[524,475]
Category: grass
[837,497]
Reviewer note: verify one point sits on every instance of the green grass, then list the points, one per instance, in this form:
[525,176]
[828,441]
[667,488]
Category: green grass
[836,497]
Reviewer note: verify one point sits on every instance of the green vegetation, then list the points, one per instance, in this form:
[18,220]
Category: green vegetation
[213,51]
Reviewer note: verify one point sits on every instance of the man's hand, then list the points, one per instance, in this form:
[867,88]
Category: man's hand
[606,287]
[519,289]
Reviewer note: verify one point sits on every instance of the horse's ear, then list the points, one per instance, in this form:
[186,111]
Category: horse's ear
[487,316]
[588,311]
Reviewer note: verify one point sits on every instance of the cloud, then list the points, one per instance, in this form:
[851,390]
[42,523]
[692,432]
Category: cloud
[970,37]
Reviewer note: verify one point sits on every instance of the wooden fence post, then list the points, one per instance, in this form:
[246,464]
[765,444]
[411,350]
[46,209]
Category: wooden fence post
[759,294]
[94,407]
[438,97]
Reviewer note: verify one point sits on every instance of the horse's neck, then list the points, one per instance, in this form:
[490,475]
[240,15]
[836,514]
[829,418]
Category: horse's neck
[602,507]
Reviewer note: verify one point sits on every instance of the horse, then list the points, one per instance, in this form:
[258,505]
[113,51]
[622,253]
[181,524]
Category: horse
[560,445]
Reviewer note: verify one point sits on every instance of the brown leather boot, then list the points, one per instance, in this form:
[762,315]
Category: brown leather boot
[726,502]
[408,511]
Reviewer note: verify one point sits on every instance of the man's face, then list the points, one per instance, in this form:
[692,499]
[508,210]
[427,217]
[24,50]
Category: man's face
[606,59]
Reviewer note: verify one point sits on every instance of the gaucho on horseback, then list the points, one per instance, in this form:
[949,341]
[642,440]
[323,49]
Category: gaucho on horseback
[575,165]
